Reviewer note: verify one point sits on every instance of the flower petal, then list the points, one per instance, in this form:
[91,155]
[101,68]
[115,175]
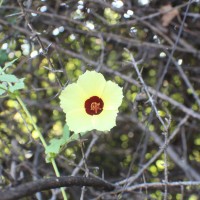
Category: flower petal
[92,83]
[105,121]
[112,96]
[72,98]
[79,121]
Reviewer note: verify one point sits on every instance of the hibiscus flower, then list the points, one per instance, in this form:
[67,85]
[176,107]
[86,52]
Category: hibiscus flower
[91,103]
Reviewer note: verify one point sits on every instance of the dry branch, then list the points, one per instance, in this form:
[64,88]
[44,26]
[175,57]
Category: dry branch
[30,188]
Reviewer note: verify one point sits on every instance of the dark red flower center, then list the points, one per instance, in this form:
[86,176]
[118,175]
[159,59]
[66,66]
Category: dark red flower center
[94,105]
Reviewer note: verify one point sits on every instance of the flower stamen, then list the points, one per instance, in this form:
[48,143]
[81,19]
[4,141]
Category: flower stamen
[94,105]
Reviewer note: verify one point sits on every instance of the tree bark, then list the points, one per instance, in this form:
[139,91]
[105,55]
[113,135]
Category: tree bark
[30,188]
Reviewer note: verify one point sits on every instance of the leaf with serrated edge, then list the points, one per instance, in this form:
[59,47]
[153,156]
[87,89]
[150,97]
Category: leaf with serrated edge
[8,78]
[17,86]
[3,89]
[8,64]
[55,144]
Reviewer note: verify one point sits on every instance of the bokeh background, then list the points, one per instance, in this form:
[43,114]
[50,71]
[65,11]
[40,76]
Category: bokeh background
[55,42]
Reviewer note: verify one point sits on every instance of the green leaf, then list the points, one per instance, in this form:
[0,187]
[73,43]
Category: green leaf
[1,70]
[17,86]
[8,78]
[3,57]
[55,144]
[66,131]
[2,91]
[8,64]
[3,88]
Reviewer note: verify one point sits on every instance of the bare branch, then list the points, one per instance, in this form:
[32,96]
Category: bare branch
[30,188]
[162,185]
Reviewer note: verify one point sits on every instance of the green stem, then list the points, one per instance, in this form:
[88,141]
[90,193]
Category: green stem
[58,175]
[31,120]
[42,140]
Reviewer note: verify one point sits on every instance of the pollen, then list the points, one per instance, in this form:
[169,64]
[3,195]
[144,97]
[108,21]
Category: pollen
[94,105]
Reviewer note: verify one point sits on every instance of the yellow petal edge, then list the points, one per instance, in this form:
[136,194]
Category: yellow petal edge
[73,97]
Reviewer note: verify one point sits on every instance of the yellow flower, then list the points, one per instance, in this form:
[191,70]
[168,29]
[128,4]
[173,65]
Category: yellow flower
[91,103]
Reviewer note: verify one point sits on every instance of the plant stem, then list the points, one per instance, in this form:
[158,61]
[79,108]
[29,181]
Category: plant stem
[58,175]
[42,140]
[31,120]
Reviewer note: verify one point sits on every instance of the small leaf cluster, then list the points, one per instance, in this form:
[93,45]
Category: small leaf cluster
[56,145]
[9,82]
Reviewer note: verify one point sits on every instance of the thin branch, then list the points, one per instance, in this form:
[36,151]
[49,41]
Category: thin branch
[161,185]
[87,153]
[187,81]
[162,96]
[30,188]
[170,152]
[160,81]
[153,15]
[165,152]
[150,99]
[85,165]
[36,35]
[106,69]
[108,37]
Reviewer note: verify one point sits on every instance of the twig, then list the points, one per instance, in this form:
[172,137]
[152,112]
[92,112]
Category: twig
[36,35]
[86,167]
[101,59]
[186,80]
[161,185]
[87,153]
[30,188]
[174,47]
[159,94]
[131,179]
[165,156]
[105,68]
[106,36]
[35,168]
[150,99]
[157,14]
